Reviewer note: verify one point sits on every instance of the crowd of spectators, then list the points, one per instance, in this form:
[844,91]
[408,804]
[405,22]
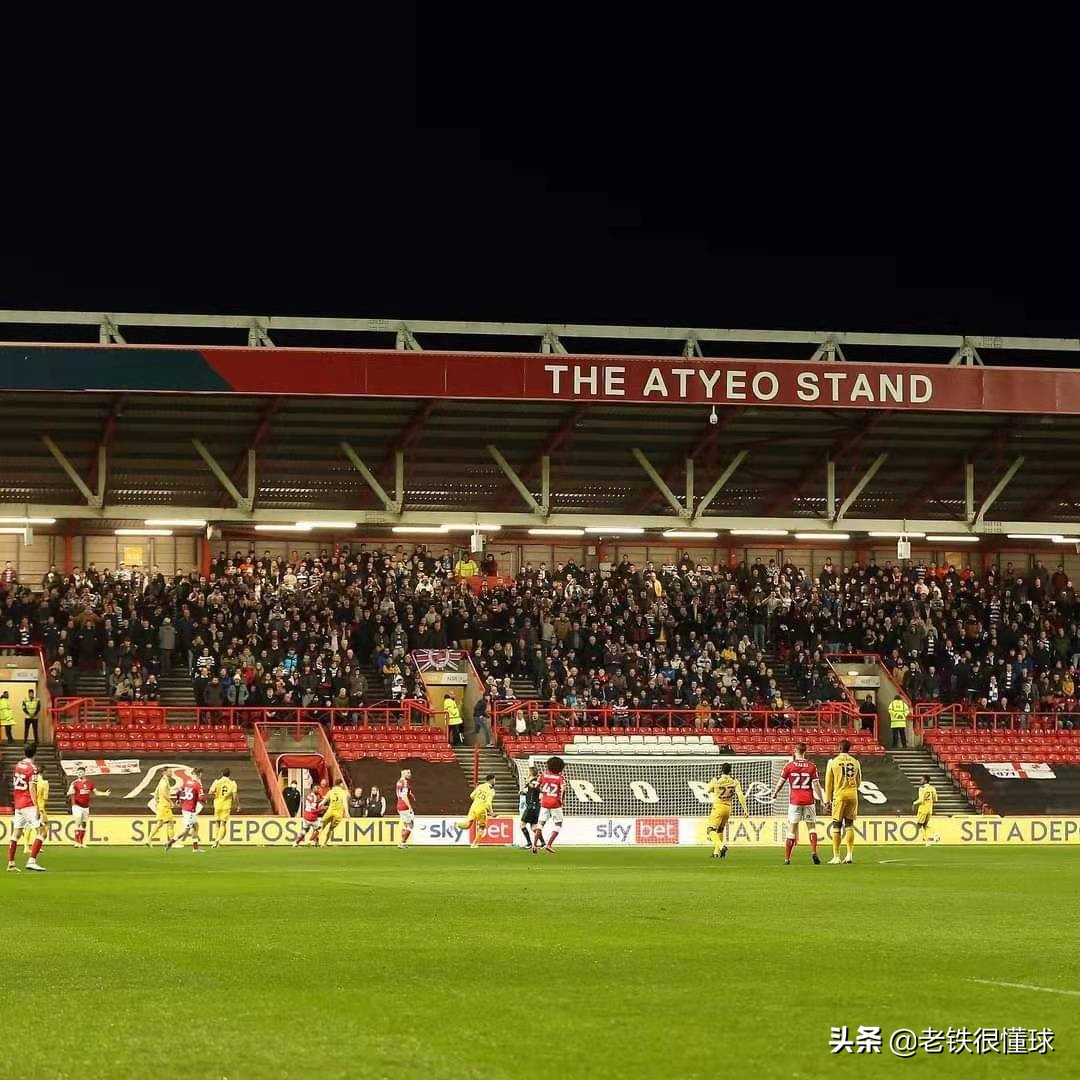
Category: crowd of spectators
[311,629]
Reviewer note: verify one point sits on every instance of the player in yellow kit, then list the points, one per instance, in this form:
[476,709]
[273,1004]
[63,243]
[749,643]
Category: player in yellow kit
[924,806]
[724,790]
[163,809]
[483,798]
[842,779]
[226,801]
[334,806]
[41,798]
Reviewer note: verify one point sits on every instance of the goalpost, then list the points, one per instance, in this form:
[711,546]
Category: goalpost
[640,785]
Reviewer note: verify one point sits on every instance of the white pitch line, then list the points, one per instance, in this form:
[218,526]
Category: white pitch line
[1026,986]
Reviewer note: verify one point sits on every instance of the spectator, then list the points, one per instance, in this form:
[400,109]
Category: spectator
[376,804]
[466,567]
[481,722]
[357,803]
[166,639]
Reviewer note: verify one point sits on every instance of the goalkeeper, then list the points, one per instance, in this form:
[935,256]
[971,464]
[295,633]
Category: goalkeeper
[723,789]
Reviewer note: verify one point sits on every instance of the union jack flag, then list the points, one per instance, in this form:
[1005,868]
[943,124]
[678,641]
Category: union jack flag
[437,659]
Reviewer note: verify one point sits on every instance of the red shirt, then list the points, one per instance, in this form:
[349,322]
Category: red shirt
[25,774]
[551,789]
[403,790]
[800,776]
[81,790]
[311,806]
[191,795]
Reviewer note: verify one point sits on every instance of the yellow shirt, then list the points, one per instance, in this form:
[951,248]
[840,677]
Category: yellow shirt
[842,777]
[483,796]
[41,793]
[453,713]
[163,794]
[223,790]
[724,790]
[927,798]
[466,568]
[335,800]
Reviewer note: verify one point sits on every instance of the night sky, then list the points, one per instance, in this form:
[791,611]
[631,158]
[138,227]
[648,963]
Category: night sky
[504,166]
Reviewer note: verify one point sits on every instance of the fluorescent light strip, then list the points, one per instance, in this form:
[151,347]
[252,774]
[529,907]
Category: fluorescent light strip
[177,523]
[954,539]
[897,535]
[326,524]
[422,530]
[823,536]
[1067,539]
[759,532]
[1055,538]
[614,530]
[12,532]
[142,532]
[27,521]
[470,528]
[688,534]
[556,532]
[283,528]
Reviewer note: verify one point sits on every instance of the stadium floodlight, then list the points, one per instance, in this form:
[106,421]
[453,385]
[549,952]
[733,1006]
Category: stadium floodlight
[823,536]
[897,535]
[614,530]
[327,524]
[966,538]
[283,527]
[426,530]
[27,521]
[469,528]
[1056,538]
[142,532]
[556,532]
[177,523]
[690,534]
[759,532]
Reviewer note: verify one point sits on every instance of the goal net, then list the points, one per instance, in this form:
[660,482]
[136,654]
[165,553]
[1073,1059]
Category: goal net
[665,786]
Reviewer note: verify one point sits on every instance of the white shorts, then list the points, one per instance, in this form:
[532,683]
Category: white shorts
[306,825]
[807,813]
[407,818]
[81,814]
[191,819]
[27,817]
[550,813]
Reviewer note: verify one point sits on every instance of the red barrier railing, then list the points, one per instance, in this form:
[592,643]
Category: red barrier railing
[541,719]
[266,768]
[961,718]
[107,711]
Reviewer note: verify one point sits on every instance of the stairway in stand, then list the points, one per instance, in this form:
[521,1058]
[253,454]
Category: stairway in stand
[492,760]
[48,763]
[784,682]
[524,688]
[915,764]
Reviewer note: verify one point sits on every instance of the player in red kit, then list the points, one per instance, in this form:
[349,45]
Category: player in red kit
[27,817]
[310,817]
[800,774]
[406,810]
[191,804]
[80,791]
[552,783]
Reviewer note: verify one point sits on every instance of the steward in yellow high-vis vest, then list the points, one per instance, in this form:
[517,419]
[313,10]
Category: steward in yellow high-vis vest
[898,718]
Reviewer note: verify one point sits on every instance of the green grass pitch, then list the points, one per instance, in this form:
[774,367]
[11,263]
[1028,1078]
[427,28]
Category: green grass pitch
[491,963]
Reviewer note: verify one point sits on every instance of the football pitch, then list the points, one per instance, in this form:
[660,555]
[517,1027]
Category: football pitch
[491,963]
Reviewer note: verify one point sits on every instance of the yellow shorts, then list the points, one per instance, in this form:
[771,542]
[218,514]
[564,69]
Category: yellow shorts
[222,812]
[845,807]
[478,816]
[718,819]
[164,813]
[923,817]
[332,819]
